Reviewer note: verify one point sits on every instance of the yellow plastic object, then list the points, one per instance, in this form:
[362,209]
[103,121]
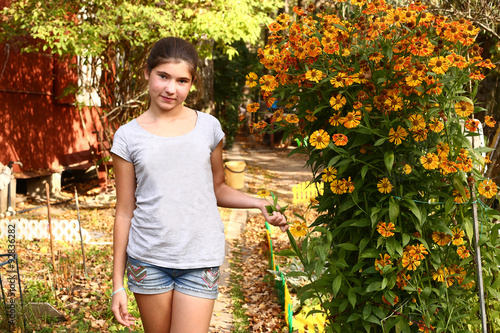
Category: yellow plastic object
[304,323]
[234,172]
[305,191]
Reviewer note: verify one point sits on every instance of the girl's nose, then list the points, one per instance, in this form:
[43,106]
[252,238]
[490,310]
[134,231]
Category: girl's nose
[170,86]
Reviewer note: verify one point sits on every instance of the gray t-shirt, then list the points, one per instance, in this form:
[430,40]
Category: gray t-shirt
[176,223]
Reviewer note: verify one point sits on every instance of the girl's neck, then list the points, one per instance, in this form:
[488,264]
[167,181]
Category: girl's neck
[177,113]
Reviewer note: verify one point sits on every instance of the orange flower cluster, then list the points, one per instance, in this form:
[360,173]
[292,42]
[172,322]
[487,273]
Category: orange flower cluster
[451,274]
[377,99]
[413,255]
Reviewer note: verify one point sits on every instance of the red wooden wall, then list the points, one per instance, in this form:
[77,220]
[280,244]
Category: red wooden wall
[38,125]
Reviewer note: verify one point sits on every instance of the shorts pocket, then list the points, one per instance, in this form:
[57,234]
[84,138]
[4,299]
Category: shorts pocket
[136,272]
[211,278]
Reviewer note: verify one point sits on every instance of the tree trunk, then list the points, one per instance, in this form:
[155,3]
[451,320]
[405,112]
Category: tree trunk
[203,99]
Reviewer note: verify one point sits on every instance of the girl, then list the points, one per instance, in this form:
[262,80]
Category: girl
[168,235]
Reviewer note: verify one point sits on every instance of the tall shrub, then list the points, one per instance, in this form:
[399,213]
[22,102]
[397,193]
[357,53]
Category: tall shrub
[382,101]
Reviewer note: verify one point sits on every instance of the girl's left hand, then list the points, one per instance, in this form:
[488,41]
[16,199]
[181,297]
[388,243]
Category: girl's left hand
[277,219]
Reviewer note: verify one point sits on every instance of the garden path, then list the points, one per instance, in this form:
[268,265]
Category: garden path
[266,168]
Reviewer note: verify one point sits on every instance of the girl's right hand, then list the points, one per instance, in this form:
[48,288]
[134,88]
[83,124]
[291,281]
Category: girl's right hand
[119,308]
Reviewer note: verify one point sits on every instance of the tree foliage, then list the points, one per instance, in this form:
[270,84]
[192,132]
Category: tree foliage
[111,39]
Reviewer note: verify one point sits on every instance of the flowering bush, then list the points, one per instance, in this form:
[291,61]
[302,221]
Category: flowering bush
[381,100]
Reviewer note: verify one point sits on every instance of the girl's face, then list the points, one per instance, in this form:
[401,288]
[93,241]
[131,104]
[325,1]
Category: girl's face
[169,85]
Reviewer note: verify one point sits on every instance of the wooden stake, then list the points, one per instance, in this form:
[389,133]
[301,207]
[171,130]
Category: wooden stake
[47,189]
[81,237]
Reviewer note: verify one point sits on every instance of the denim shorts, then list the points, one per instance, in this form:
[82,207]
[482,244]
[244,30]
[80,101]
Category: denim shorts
[144,278]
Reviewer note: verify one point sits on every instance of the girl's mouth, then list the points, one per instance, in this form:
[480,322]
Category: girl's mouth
[168,99]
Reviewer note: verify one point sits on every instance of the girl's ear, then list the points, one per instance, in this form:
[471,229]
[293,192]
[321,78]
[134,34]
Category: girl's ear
[146,74]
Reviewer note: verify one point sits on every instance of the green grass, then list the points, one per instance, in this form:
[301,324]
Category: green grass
[240,319]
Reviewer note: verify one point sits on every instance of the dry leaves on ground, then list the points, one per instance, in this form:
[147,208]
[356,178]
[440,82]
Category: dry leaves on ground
[262,304]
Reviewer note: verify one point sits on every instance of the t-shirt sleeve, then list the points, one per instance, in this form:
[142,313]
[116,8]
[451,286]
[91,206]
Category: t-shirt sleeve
[218,133]
[120,146]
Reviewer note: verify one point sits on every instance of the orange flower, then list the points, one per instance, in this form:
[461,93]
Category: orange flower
[440,274]
[472,124]
[489,121]
[458,236]
[298,228]
[313,47]
[410,263]
[397,136]
[436,125]
[336,119]
[439,65]
[329,174]
[418,251]
[441,238]
[407,169]
[417,122]
[477,75]
[463,252]
[314,75]
[339,139]
[310,116]
[253,107]
[402,279]
[337,102]
[251,79]
[488,188]
[430,161]
[268,83]
[352,119]
[385,229]
[275,27]
[420,135]
[319,139]
[338,186]
[384,185]
[396,300]
[459,197]
[339,80]
[384,260]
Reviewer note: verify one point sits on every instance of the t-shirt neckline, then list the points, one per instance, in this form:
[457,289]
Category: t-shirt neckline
[171,137]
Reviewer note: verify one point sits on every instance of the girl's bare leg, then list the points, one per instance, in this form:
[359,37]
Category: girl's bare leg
[156,312]
[190,314]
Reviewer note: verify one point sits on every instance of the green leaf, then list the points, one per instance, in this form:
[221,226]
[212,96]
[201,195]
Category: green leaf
[286,253]
[390,245]
[337,283]
[379,141]
[468,228]
[494,234]
[348,246]
[393,210]
[449,205]
[296,274]
[389,160]
[374,286]
[406,239]
[351,295]
[414,209]
[364,170]
[367,310]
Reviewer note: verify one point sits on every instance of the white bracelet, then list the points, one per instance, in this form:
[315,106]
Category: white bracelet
[114,293]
